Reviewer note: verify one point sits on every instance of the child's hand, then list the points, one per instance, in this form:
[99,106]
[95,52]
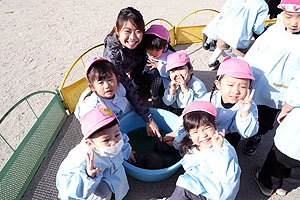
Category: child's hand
[281,116]
[169,138]
[131,158]
[218,139]
[181,81]
[246,104]
[153,64]
[152,130]
[90,169]
[173,87]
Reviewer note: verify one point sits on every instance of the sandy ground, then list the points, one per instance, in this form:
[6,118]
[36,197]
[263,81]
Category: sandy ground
[39,40]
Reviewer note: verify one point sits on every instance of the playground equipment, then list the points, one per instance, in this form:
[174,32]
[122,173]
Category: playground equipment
[164,120]
[25,160]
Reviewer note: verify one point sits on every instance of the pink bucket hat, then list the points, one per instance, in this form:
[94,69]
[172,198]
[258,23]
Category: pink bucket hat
[235,67]
[200,106]
[96,119]
[160,31]
[290,5]
[89,63]
[177,59]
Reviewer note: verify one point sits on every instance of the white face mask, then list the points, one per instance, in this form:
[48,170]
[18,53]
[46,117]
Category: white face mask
[110,151]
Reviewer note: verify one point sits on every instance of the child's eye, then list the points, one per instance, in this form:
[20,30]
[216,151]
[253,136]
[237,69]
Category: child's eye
[106,141]
[100,82]
[138,32]
[117,135]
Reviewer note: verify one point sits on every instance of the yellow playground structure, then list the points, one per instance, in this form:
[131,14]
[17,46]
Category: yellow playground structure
[20,167]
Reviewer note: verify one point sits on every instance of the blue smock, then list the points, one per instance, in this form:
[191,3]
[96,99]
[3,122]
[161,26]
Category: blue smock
[274,59]
[227,118]
[287,136]
[73,182]
[230,118]
[213,173]
[180,100]
[239,19]
[118,104]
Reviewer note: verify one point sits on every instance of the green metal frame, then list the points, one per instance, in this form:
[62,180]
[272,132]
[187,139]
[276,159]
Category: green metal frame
[22,165]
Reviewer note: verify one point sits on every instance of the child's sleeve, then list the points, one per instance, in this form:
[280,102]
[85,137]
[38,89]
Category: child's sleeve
[213,173]
[225,168]
[259,25]
[292,94]
[197,91]
[179,131]
[169,99]
[126,149]
[248,126]
[74,182]
[85,104]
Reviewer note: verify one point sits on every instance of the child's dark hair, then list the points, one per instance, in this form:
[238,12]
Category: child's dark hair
[152,41]
[131,14]
[188,64]
[107,126]
[194,120]
[214,86]
[99,70]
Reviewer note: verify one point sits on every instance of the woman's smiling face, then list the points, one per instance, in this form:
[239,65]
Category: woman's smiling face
[129,36]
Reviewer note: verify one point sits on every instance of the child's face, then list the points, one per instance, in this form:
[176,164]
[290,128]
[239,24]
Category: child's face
[291,21]
[182,72]
[232,89]
[154,53]
[129,36]
[106,138]
[202,136]
[106,87]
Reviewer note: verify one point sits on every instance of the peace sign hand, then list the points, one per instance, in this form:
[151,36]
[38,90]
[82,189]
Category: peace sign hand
[90,169]
[246,104]
[218,139]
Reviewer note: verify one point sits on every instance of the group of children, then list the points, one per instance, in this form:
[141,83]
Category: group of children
[245,99]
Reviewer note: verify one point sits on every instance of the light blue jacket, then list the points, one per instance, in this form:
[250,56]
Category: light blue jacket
[180,100]
[274,59]
[239,19]
[119,104]
[287,138]
[227,118]
[73,182]
[213,173]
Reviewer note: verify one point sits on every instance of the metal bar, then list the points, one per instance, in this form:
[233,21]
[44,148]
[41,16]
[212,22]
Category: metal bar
[31,108]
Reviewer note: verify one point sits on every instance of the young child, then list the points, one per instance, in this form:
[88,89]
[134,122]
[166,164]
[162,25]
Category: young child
[157,45]
[238,20]
[281,169]
[124,50]
[184,87]
[104,87]
[274,66]
[93,169]
[210,162]
[237,113]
